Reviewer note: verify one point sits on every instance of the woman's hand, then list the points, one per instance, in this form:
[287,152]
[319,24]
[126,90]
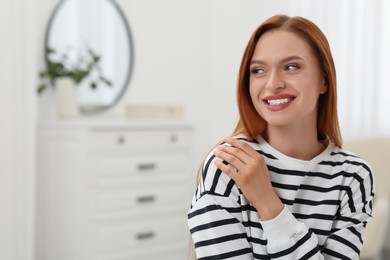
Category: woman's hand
[251,174]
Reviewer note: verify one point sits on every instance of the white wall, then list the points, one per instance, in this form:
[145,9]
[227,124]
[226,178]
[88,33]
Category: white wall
[17,131]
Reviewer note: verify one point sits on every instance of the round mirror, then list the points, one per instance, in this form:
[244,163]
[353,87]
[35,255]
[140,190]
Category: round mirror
[94,34]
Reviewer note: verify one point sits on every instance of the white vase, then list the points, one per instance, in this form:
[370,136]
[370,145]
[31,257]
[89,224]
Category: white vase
[66,97]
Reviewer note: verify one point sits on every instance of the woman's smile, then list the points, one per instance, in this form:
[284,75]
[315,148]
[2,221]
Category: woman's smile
[278,102]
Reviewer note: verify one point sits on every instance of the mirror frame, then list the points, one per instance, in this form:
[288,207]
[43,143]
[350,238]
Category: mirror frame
[131,53]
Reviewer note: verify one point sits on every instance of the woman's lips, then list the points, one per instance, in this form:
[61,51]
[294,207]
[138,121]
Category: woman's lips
[276,103]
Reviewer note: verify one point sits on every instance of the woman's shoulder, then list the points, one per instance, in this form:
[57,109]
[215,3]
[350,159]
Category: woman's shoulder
[213,180]
[348,156]
[254,143]
[348,160]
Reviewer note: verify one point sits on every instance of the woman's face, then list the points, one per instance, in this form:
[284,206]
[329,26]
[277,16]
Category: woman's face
[285,79]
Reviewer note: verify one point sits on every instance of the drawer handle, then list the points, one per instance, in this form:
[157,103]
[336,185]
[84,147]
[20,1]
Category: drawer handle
[121,140]
[146,166]
[146,199]
[146,235]
[174,138]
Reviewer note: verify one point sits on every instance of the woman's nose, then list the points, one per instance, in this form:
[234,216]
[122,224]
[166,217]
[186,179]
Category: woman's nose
[275,82]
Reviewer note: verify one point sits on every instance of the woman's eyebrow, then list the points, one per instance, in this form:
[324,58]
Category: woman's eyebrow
[289,58]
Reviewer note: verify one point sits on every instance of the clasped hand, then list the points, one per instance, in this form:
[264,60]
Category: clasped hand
[251,174]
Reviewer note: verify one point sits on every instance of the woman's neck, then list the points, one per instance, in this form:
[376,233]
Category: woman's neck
[296,143]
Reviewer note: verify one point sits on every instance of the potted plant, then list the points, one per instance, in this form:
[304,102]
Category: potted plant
[65,74]
[62,66]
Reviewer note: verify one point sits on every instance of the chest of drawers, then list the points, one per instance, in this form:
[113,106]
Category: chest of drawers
[113,191]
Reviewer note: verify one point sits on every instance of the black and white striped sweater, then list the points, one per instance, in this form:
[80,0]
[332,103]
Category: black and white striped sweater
[328,202]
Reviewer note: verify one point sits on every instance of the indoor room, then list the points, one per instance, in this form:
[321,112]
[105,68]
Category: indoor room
[110,109]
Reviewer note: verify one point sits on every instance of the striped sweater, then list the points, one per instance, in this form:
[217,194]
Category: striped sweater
[328,202]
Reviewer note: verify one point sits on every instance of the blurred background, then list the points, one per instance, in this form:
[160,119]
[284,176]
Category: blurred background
[178,83]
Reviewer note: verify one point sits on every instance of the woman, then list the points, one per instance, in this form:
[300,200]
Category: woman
[282,187]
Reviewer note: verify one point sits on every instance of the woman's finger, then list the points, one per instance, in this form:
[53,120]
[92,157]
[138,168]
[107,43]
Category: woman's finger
[229,171]
[241,155]
[229,158]
[246,148]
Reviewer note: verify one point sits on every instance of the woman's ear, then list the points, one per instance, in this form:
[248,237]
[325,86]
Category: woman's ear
[324,89]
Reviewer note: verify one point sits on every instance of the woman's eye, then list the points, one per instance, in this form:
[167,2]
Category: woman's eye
[291,67]
[257,71]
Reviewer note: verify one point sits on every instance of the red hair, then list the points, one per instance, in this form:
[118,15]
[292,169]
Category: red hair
[251,123]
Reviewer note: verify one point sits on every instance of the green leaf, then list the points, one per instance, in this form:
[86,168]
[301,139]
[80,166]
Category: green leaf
[79,75]
[56,69]
[41,88]
[43,74]
[96,59]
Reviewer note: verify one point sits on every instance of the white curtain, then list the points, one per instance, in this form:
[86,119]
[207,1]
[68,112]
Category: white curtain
[17,131]
[359,34]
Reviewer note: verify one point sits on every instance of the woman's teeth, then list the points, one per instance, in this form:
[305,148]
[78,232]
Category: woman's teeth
[275,102]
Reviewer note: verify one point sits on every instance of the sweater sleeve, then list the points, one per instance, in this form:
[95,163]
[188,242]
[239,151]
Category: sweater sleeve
[215,219]
[288,238]
[215,230]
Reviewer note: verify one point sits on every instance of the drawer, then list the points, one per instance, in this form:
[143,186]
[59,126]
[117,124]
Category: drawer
[144,234]
[143,201]
[110,167]
[176,250]
[140,140]
[131,183]
[140,172]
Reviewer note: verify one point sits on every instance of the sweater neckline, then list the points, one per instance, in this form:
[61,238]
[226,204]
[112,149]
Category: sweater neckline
[266,147]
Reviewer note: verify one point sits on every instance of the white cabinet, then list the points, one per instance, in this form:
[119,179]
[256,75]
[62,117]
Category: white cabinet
[114,191]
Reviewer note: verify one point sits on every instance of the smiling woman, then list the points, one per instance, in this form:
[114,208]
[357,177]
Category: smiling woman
[282,187]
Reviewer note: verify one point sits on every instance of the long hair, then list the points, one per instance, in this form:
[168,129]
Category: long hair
[250,122]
